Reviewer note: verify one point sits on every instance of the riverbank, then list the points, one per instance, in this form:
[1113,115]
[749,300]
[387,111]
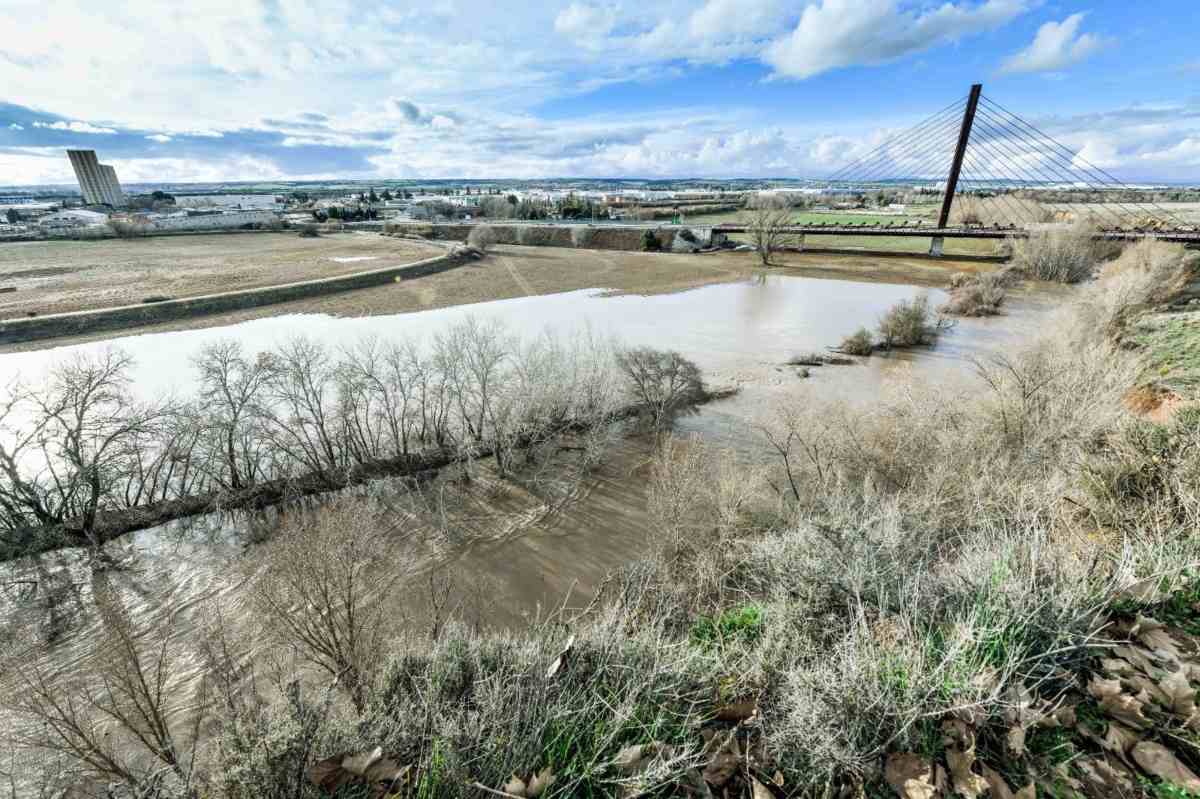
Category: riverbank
[514,271]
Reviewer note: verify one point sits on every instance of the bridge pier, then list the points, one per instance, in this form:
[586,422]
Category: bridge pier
[936,245]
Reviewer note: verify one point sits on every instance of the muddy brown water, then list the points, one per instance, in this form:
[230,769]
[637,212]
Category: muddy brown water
[537,551]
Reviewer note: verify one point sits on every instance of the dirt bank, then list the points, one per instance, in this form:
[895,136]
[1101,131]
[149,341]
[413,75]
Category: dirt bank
[512,271]
[60,276]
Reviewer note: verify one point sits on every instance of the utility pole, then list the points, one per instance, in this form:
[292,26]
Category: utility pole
[964,136]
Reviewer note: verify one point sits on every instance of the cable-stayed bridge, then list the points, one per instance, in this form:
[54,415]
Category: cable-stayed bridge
[990,167]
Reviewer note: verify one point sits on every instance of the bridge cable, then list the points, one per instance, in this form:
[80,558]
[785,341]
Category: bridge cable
[902,135]
[886,158]
[1074,156]
[1050,161]
[1006,143]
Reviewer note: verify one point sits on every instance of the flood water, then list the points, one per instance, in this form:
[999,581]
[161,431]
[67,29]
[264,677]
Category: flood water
[739,333]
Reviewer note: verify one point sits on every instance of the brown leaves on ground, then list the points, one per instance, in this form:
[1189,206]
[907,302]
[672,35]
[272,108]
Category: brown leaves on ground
[535,785]
[959,741]
[910,775]
[1157,760]
[382,776]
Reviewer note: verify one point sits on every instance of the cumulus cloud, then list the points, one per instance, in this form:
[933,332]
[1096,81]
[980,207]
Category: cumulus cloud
[839,33]
[161,138]
[583,21]
[1057,45]
[75,127]
[15,126]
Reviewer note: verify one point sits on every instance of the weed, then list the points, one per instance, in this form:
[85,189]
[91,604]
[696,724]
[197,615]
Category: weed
[742,625]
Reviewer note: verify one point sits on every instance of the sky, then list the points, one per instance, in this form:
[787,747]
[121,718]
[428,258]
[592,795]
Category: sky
[226,90]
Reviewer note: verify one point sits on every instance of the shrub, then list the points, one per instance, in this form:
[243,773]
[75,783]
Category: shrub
[978,295]
[581,236]
[908,323]
[662,382]
[482,238]
[1062,255]
[860,342]
[650,242]
[309,231]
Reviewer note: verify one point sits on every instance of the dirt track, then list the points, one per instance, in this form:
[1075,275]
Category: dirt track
[57,276]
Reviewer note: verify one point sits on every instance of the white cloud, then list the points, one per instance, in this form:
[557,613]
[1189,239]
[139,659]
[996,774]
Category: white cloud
[161,138]
[1185,153]
[15,126]
[1057,45]
[75,127]
[581,21]
[839,33]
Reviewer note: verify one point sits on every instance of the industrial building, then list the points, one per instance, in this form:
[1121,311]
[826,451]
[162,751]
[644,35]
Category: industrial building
[97,182]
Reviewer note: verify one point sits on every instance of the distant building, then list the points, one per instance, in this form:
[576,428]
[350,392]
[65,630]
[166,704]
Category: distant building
[75,217]
[238,202]
[97,182]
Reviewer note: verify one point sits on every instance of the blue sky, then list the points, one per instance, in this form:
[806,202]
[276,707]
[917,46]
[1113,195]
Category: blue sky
[300,89]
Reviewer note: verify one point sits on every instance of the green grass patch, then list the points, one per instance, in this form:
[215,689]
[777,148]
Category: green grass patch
[1172,342]
[742,625]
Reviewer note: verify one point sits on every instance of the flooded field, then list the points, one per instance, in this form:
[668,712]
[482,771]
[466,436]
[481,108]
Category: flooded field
[509,550]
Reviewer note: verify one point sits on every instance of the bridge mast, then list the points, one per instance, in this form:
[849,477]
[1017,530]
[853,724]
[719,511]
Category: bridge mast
[964,135]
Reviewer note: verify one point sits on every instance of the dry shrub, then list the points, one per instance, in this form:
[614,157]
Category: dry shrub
[482,238]
[1060,254]
[860,343]
[1146,274]
[999,211]
[978,295]
[908,323]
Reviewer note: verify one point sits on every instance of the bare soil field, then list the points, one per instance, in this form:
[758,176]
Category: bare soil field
[57,276]
[514,271]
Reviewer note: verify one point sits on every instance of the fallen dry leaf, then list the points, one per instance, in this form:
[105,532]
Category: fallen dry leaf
[539,782]
[1103,780]
[358,764]
[1101,688]
[759,791]
[724,758]
[910,775]
[997,787]
[1139,658]
[959,741]
[515,786]
[1181,697]
[1156,759]
[562,658]
[1146,591]
[737,711]
[1028,792]
[1120,740]
[634,759]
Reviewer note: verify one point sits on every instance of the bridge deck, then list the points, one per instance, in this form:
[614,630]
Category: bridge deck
[1183,236]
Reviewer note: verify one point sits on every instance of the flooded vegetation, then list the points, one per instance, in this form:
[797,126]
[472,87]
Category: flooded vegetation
[518,540]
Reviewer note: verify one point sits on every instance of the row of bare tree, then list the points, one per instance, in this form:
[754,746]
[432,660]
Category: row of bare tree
[83,443]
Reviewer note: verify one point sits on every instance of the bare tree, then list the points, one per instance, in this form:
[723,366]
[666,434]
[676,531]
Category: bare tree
[663,383]
[232,387]
[127,690]
[482,237]
[767,218]
[326,589]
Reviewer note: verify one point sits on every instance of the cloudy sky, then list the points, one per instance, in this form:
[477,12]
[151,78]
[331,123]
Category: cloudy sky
[310,89]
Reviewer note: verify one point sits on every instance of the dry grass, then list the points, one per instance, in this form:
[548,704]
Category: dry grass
[999,211]
[1062,254]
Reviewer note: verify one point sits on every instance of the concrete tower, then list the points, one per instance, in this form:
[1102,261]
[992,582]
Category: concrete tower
[97,182]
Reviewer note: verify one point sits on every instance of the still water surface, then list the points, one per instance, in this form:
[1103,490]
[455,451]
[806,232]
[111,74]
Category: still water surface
[739,333]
